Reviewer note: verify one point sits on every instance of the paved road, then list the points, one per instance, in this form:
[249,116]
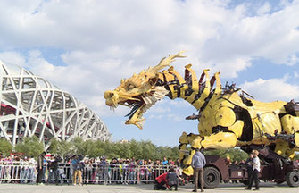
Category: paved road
[223,188]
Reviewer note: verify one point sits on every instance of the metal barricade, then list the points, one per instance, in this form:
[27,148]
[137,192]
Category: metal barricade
[123,174]
[91,174]
[17,172]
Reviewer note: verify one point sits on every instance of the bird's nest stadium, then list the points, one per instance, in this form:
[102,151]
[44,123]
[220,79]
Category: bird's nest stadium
[30,105]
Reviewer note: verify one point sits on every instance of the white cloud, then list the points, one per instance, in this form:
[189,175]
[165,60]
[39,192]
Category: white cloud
[167,117]
[292,60]
[243,36]
[170,110]
[12,58]
[264,9]
[175,117]
[104,42]
[230,68]
[160,109]
[177,103]
[272,89]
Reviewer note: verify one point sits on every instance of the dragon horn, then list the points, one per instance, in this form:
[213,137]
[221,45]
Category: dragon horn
[167,61]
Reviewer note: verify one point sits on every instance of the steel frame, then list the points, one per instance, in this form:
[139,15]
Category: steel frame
[30,105]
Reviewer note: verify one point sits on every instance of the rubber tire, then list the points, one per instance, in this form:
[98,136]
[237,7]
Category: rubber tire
[293,179]
[211,177]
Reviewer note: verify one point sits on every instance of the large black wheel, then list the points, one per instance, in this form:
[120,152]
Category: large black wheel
[293,179]
[211,177]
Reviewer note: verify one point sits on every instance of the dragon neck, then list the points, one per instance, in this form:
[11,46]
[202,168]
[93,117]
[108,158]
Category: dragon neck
[187,88]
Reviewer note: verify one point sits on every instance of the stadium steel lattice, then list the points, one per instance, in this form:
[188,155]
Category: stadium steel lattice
[31,106]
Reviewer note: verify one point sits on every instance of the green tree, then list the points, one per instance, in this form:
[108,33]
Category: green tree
[78,146]
[124,150]
[108,149]
[61,147]
[148,149]
[174,153]
[54,146]
[143,149]
[93,149]
[168,152]
[115,149]
[135,149]
[102,145]
[65,148]
[5,147]
[30,146]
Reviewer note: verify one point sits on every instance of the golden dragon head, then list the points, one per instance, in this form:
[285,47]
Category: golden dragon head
[140,92]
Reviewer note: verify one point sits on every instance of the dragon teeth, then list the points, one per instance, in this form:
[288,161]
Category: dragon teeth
[112,108]
[160,92]
[149,101]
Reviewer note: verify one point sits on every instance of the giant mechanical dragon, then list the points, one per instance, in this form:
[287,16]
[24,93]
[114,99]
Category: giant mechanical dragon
[227,117]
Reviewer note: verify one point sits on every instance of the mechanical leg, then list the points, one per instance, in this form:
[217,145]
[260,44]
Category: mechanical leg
[218,140]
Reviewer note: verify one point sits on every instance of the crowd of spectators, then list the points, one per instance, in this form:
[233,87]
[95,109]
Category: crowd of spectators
[121,171]
[78,170]
[17,169]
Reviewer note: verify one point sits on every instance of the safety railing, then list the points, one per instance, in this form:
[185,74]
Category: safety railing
[17,172]
[91,174]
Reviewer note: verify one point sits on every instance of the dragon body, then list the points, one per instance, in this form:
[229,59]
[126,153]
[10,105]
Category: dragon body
[227,116]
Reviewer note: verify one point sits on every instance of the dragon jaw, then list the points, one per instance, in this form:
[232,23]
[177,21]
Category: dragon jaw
[138,104]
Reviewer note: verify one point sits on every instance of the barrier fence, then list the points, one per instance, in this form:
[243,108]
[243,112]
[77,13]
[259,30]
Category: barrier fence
[91,173]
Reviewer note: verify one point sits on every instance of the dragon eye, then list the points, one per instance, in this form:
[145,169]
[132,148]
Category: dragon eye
[152,81]
[131,86]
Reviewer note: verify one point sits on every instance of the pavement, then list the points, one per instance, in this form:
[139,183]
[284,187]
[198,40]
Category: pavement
[223,188]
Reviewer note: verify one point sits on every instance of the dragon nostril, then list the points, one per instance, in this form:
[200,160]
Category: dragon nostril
[108,94]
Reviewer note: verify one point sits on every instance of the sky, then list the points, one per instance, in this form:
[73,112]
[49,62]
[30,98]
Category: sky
[86,47]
